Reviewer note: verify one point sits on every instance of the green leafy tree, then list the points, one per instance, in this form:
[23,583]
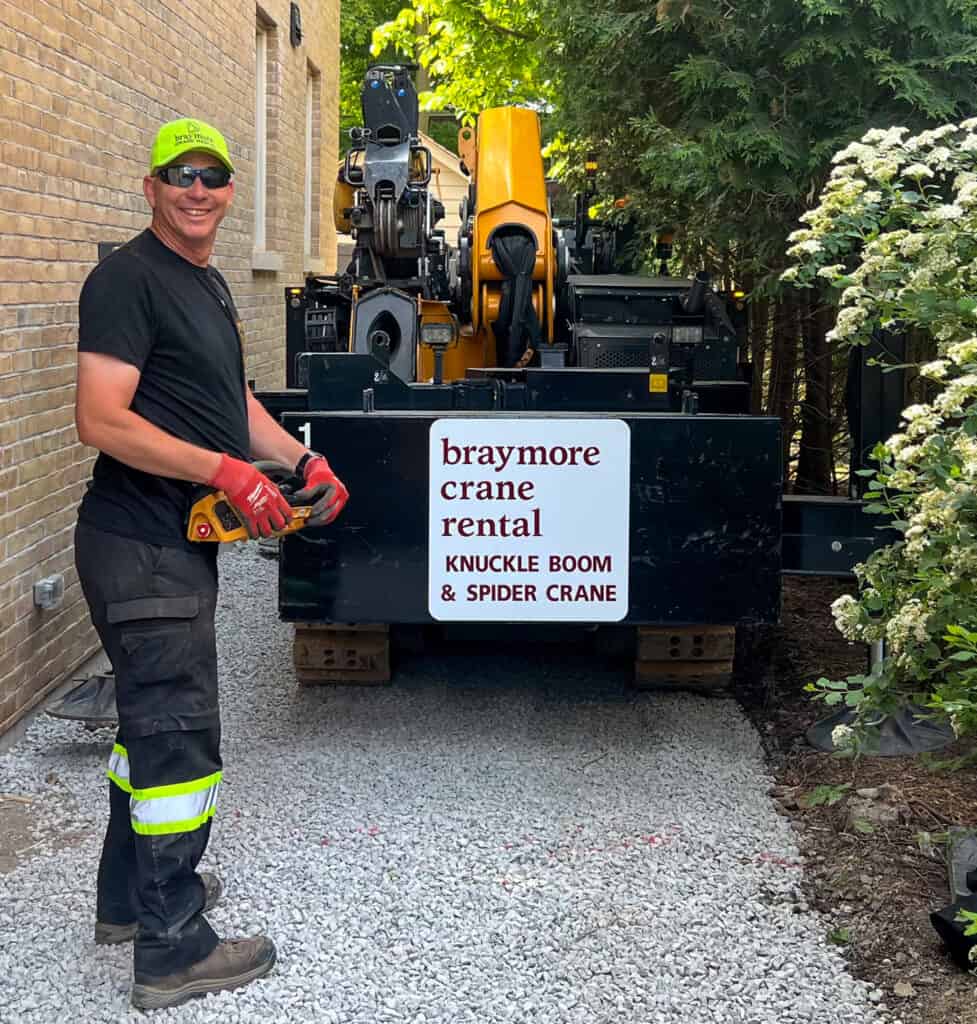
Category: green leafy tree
[720,120]
[476,54]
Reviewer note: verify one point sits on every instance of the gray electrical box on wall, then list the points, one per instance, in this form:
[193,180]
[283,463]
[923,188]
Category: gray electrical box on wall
[49,592]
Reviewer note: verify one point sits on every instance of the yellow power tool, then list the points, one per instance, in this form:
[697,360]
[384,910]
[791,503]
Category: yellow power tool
[212,518]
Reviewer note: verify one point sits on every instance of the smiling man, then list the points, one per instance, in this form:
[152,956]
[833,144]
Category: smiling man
[162,394]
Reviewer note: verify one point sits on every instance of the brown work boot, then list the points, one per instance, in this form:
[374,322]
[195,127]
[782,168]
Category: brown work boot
[113,934]
[234,962]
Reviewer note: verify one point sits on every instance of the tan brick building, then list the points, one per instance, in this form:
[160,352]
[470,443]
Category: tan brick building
[83,86]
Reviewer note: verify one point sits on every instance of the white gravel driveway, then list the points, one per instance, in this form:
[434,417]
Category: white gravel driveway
[490,839]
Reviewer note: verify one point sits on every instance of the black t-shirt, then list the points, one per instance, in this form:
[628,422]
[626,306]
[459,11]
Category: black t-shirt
[177,324]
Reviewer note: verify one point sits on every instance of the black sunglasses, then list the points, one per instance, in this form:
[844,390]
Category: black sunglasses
[183,176]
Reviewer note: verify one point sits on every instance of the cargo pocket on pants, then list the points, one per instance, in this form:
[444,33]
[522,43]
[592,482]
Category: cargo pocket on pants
[159,683]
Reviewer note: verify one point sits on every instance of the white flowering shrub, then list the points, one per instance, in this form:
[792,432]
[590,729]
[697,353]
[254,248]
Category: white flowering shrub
[896,234]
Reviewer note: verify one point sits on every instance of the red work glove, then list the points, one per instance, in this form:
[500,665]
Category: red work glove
[323,490]
[259,503]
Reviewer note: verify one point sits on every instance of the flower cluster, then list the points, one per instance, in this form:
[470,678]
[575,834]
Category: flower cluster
[908,625]
[897,222]
[848,617]
[895,234]
[843,737]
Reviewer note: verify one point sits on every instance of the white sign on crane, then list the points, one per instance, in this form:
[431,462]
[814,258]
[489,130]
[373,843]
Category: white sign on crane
[529,519]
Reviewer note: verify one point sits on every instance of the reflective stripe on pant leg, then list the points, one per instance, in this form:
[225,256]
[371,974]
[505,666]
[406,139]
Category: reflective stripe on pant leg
[163,810]
[179,807]
[118,770]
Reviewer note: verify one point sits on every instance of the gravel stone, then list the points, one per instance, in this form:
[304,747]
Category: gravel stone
[491,839]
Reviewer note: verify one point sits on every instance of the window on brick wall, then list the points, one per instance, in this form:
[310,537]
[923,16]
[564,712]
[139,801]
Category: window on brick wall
[260,135]
[267,108]
[313,188]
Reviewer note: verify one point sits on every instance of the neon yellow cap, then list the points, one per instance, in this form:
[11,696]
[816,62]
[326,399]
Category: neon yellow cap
[184,136]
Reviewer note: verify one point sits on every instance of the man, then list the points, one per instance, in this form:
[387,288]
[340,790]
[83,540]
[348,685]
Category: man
[162,394]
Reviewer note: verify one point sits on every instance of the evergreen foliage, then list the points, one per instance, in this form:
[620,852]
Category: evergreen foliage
[723,118]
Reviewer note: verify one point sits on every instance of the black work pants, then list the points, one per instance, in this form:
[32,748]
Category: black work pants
[153,608]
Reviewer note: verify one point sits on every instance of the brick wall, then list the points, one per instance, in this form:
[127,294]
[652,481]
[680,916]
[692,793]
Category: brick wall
[83,86]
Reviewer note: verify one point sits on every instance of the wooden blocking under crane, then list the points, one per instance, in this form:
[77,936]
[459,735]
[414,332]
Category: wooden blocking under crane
[341,653]
[685,657]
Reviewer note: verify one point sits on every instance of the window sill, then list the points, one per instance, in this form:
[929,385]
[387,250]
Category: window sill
[269,261]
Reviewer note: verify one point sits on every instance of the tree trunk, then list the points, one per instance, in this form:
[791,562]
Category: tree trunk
[814,463]
[759,343]
[783,371]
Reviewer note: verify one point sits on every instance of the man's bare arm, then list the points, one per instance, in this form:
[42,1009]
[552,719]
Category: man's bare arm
[105,421]
[269,440]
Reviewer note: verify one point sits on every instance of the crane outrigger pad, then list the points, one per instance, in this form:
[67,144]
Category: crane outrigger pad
[91,701]
[904,733]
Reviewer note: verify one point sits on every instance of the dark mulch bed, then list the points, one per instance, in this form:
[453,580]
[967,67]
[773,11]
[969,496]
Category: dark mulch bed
[876,888]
